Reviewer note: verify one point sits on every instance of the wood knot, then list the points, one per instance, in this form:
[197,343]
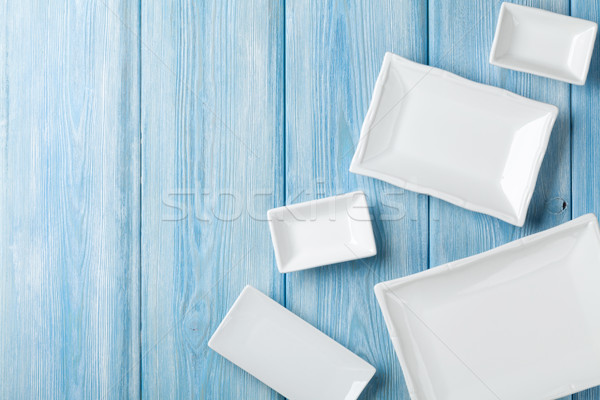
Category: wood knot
[556,205]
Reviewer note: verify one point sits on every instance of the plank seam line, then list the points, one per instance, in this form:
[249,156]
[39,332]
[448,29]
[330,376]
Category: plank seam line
[424,75]
[284,141]
[425,324]
[186,86]
[140,219]
[428,197]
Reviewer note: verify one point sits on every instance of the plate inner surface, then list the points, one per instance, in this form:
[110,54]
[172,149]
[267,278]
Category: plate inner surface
[520,324]
[440,133]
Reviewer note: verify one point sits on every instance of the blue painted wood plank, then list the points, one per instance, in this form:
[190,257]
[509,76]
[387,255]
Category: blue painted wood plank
[69,200]
[460,41]
[585,137]
[212,154]
[334,51]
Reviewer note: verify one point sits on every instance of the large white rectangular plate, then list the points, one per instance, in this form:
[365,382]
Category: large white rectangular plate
[321,232]
[287,353]
[473,145]
[543,43]
[521,321]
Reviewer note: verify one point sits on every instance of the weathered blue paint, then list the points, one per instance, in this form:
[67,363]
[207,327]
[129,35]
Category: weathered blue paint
[69,202]
[141,144]
[460,40]
[334,50]
[212,165]
[585,139]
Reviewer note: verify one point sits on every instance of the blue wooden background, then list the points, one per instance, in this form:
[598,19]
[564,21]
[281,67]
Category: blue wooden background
[141,144]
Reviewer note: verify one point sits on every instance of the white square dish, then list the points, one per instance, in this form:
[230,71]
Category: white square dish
[473,145]
[321,232]
[543,43]
[287,353]
[521,321]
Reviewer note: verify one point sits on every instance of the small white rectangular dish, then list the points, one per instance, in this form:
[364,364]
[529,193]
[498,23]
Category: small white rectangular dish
[543,43]
[287,353]
[321,232]
[473,145]
[521,321]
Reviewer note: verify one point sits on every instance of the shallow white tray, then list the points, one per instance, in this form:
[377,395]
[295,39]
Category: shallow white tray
[473,145]
[543,43]
[521,321]
[287,353]
[321,232]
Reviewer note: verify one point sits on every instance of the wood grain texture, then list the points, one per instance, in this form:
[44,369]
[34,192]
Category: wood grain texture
[245,105]
[212,153]
[69,202]
[585,137]
[334,51]
[460,40]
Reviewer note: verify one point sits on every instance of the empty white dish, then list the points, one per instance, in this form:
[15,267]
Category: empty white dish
[473,145]
[321,232]
[287,353]
[543,43]
[521,321]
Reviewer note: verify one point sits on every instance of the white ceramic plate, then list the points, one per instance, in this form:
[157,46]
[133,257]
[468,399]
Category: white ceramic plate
[473,145]
[521,321]
[321,232]
[543,43]
[287,353]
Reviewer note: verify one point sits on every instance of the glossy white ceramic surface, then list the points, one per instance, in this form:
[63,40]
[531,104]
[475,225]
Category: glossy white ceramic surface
[543,43]
[473,145]
[521,321]
[321,232]
[287,353]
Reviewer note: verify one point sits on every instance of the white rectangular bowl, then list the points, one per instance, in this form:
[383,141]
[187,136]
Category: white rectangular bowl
[543,43]
[287,353]
[473,145]
[521,321]
[320,232]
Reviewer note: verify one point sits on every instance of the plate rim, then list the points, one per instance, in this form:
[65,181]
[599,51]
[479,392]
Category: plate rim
[277,249]
[382,288]
[356,166]
[580,80]
[250,290]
